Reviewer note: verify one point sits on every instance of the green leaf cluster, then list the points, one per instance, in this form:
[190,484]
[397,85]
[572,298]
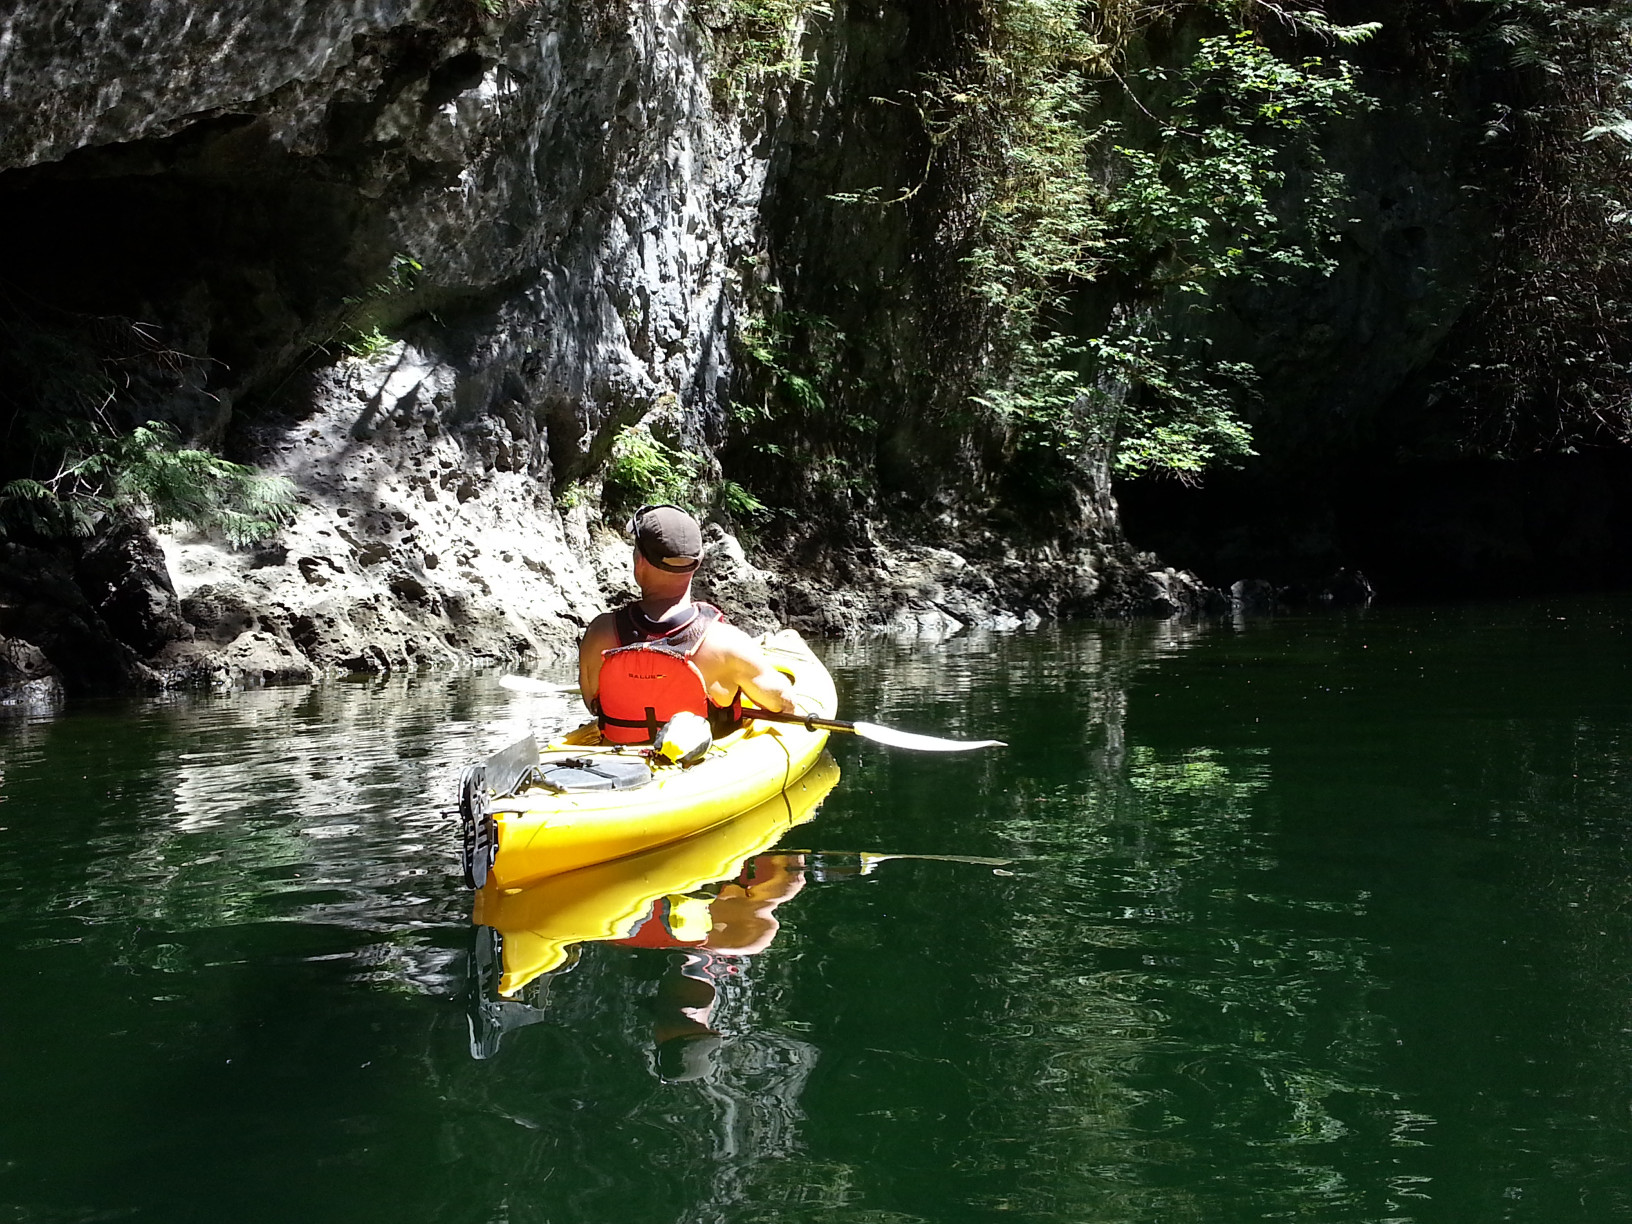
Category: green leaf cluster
[792,377]
[360,332]
[737,501]
[1211,197]
[759,43]
[1214,175]
[642,469]
[814,440]
[1543,362]
[149,471]
[77,393]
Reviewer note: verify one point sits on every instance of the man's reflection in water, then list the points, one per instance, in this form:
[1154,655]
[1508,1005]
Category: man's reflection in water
[706,938]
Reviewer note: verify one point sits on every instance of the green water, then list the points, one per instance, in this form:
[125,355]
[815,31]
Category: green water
[1321,918]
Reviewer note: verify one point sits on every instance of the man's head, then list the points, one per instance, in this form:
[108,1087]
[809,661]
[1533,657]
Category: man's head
[669,542]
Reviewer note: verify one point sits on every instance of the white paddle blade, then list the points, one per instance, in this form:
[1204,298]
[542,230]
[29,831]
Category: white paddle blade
[920,743]
[526,684]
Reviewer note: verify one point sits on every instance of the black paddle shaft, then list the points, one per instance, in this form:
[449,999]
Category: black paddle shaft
[808,721]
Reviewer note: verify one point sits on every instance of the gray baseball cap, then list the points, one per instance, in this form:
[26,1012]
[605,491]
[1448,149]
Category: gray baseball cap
[668,537]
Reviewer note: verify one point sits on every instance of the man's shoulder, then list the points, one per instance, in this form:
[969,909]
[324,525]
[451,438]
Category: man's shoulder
[601,628]
[722,635]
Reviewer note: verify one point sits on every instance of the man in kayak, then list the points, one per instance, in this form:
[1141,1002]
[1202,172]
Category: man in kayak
[666,653]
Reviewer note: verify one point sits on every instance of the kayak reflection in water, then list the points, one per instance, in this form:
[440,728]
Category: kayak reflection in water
[709,935]
[705,897]
[705,949]
[705,904]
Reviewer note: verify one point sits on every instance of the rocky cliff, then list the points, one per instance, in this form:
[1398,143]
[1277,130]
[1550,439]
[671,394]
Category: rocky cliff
[426,258]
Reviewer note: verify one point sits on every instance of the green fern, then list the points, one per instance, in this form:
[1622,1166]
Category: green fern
[768,341]
[642,469]
[149,471]
[735,499]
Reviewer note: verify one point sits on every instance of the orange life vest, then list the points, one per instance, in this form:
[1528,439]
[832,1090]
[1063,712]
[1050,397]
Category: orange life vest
[650,677]
[672,922]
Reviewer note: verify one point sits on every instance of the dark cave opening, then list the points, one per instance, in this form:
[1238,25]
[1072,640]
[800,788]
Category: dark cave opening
[214,250]
[1419,531]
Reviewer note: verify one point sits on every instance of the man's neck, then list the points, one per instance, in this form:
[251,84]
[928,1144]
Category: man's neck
[663,607]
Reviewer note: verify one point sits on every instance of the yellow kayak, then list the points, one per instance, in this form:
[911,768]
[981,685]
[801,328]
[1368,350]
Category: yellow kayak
[530,813]
[539,925]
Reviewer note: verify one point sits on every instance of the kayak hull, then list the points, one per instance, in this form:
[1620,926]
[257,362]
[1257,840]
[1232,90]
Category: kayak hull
[540,924]
[542,833]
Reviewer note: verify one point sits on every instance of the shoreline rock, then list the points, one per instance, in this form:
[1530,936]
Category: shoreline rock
[28,681]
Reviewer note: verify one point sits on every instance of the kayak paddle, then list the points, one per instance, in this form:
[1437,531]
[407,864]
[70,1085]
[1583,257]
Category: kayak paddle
[872,731]
[887,736]
[526,684]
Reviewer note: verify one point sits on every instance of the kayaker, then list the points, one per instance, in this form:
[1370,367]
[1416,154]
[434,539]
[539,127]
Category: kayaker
[665,652]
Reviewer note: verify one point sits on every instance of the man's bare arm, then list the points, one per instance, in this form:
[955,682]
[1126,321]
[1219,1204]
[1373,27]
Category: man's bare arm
[601,635]
[770,689]
[742,664]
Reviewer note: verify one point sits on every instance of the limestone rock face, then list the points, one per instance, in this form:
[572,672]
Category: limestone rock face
[86,73]
[548,206]
[727,579]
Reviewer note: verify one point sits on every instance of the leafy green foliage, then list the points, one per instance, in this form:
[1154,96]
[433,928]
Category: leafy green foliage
[147,470]
[1187,420]
[737,501]
[1218,176]
[1233,187]
[74,392]
[1545,358]
[360,332]
[759,43]
[642,469]
[1200,203]
[807,437]
[366,344]
[767,340]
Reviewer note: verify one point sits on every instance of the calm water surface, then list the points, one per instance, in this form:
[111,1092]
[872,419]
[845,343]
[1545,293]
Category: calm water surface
[1322,918]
